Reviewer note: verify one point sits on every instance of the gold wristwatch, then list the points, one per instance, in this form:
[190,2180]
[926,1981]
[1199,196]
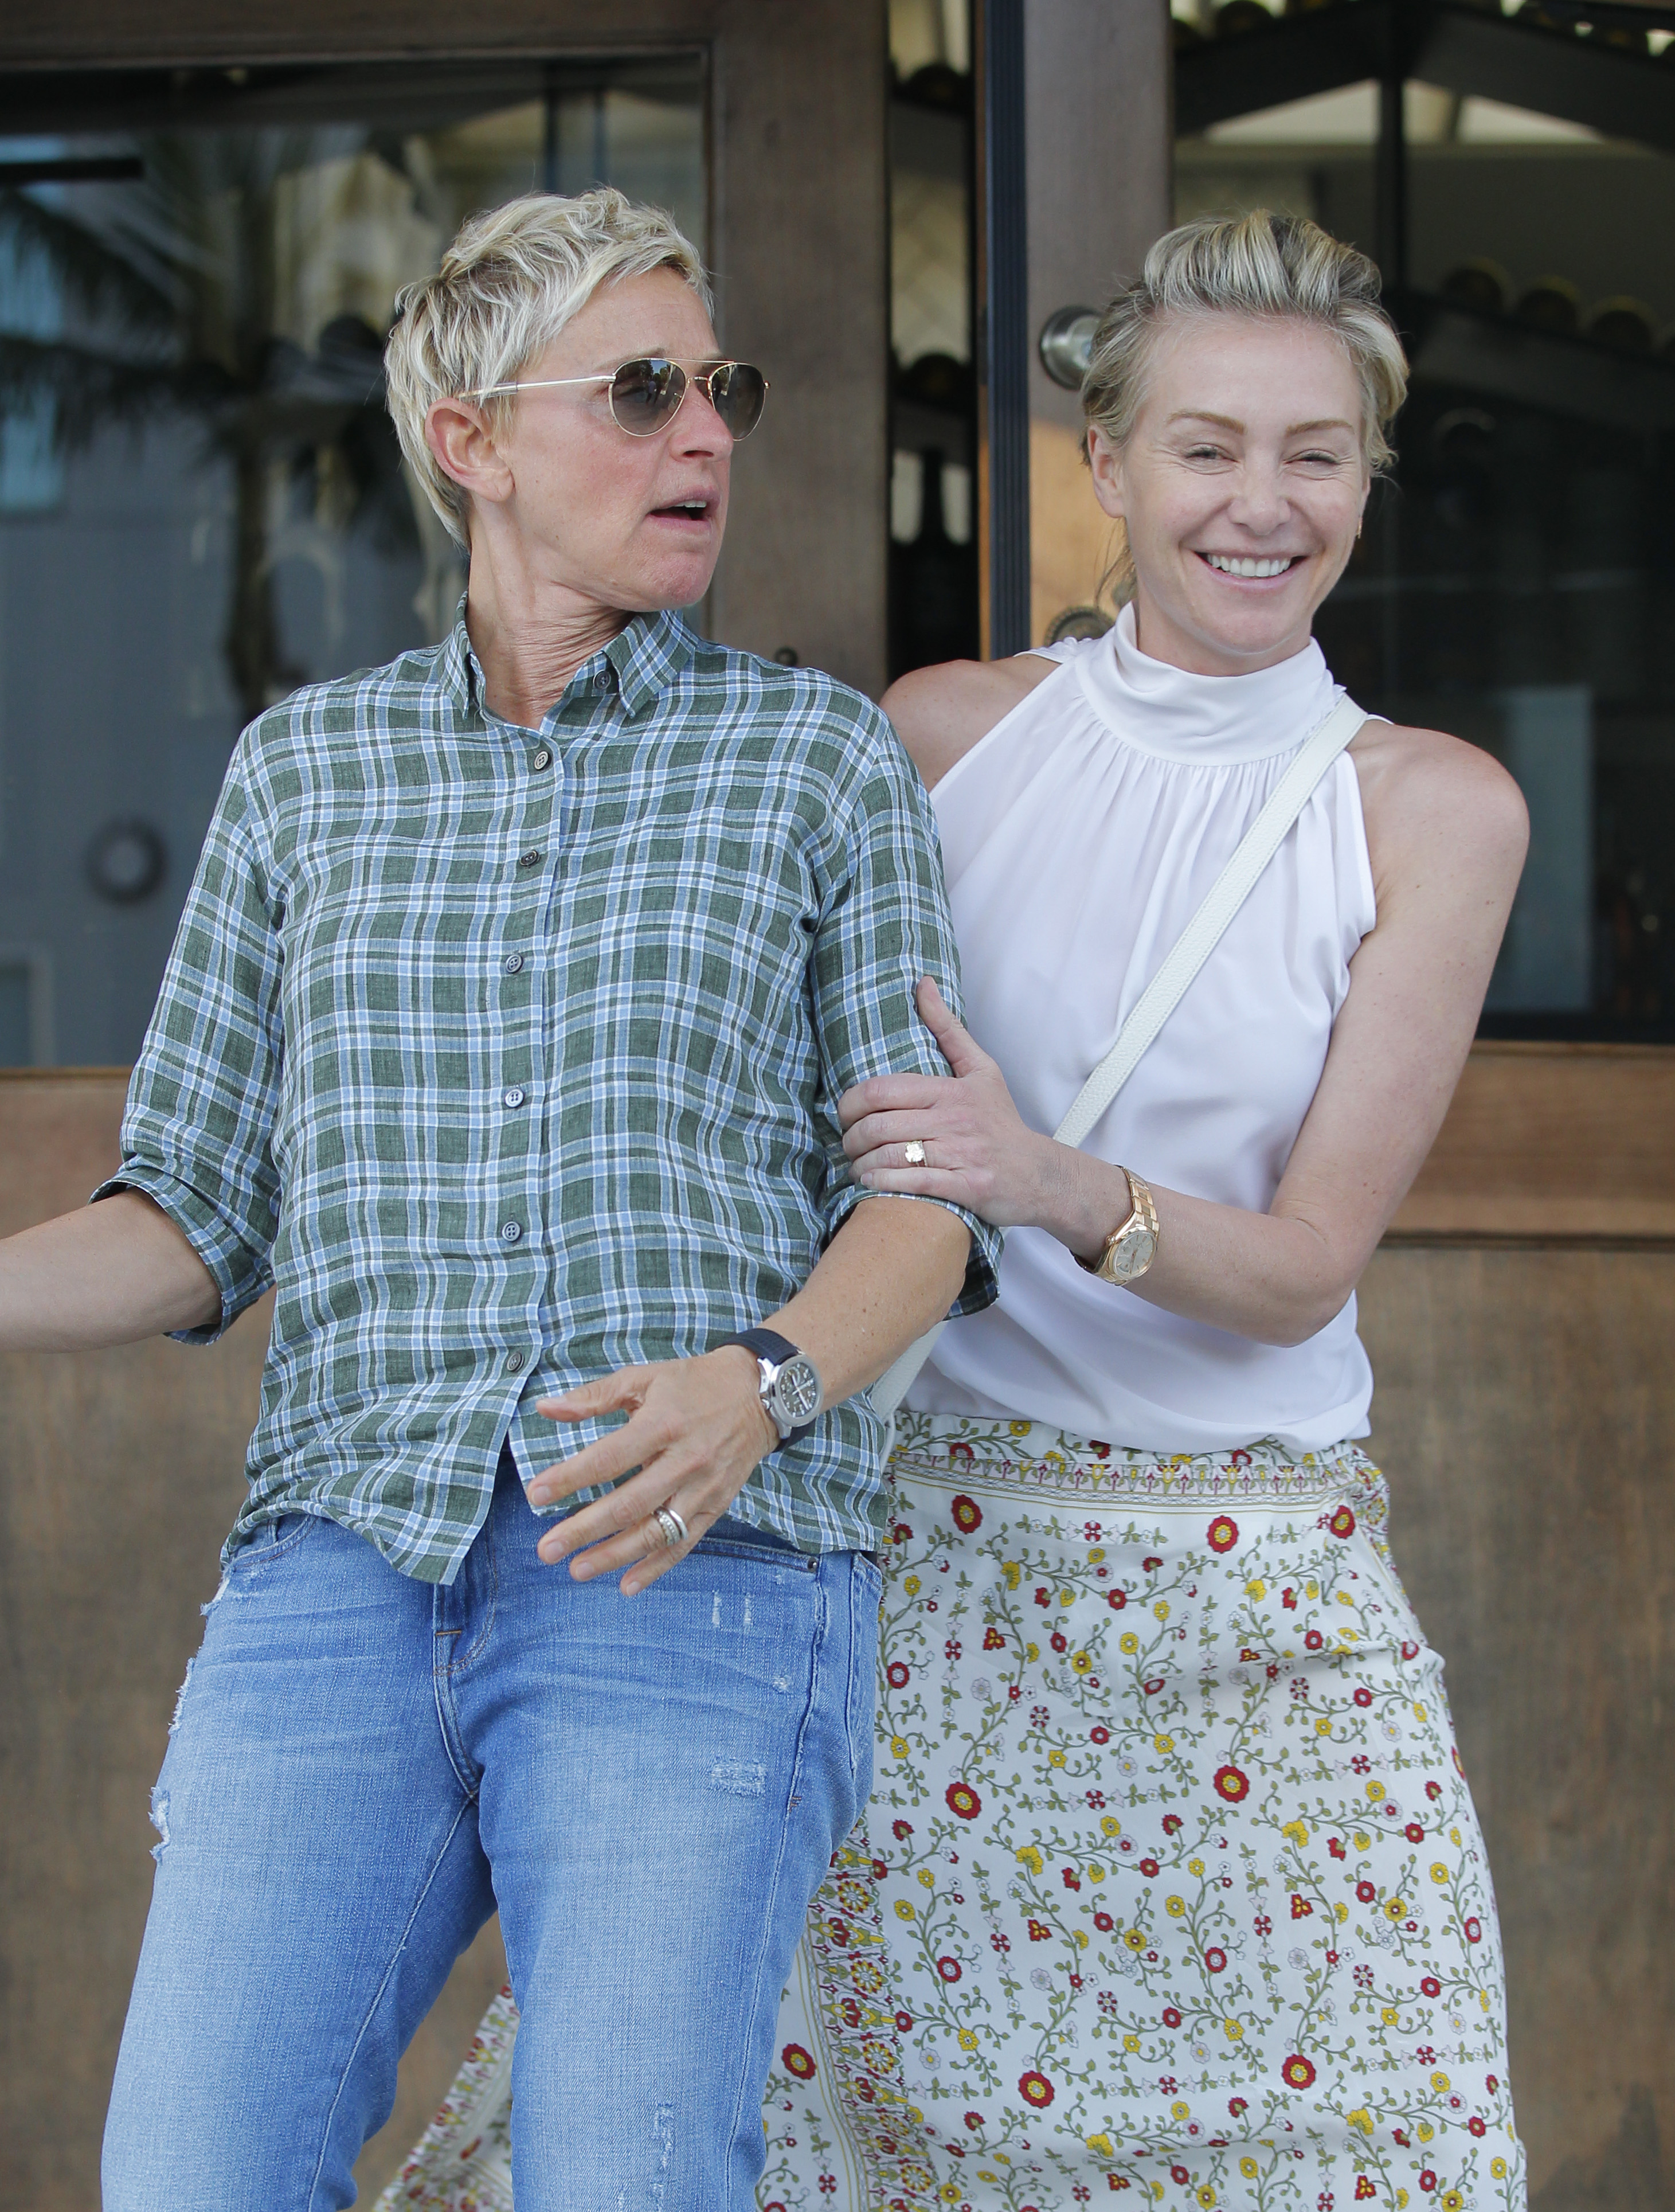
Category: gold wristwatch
[1132,1246]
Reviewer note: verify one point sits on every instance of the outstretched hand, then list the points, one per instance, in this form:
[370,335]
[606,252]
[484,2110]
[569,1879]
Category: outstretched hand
[979,1152]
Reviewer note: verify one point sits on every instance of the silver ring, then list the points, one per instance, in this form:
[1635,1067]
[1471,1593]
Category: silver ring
[673,1527]
[913,1154]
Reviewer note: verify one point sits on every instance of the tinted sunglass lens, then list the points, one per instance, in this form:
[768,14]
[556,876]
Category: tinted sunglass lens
[644,394]
[737,392]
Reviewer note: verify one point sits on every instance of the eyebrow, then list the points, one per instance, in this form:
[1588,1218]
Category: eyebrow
[1230,422]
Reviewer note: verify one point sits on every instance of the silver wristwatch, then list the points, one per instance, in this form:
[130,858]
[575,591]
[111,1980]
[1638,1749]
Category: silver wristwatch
[789,1382]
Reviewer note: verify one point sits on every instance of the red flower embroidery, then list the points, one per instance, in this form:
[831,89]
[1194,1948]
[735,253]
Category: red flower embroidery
[1099,1735]
[993,1640]
[1236,2106]
[901,1830]
[962,1801]
[1149,1564]
[1474,2126]
[1104,1922]
[1116,1600]
[904,2021]
[1297,2072]
[1149,1866]
[1072,1880]
[1171,1823]
[1154,1685]
[1232,1783]
[1342,1523]
[1216,1959]
[1171,2017]
[1431,1986]
[949,1969]
[961,1451]
[1179,2176]
[1301,1907]
[1313,1640]
[974,2120]
[1037,1933]
[1223,1533]
[1474,1931]
[967,1514]
[1036,2089]
[896,1674]
[1364,1696]
[1363,2189]
[797,2062]
[1335,1846]
[1365,1891]
[1058,1642]
[1427,2181]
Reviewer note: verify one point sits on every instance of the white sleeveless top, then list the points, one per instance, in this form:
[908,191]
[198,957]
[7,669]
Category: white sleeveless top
[1079,837]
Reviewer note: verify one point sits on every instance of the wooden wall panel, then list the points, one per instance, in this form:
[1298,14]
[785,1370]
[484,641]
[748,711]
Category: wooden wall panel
[1553,1141]
[1526,1420]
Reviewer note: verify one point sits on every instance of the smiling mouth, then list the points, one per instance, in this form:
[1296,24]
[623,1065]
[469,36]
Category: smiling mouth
[1249,565]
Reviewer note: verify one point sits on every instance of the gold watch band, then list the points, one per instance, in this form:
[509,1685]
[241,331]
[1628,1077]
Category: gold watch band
[1132,1246]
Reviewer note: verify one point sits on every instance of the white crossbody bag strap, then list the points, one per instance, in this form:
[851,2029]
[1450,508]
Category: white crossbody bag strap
[1168,986]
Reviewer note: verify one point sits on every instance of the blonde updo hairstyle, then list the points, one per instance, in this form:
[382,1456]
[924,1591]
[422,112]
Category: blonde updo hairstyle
[1264,265]
[507,286]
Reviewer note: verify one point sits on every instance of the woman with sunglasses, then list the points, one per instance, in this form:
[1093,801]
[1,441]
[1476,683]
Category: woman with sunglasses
[503,1036]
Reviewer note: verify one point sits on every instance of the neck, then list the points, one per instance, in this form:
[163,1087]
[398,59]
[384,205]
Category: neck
[1161,639]
[530,634]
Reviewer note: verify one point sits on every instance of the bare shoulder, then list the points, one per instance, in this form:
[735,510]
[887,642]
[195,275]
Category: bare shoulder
[941,712]
[1427,797]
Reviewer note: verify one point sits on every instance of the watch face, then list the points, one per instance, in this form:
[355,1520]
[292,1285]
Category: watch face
[1132,1256]
[796,1391]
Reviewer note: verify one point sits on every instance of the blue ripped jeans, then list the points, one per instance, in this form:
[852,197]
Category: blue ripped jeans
[363,1767]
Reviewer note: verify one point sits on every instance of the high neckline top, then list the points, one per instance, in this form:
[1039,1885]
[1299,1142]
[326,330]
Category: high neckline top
[1080,836]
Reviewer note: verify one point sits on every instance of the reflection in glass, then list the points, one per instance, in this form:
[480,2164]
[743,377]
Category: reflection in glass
[202,501]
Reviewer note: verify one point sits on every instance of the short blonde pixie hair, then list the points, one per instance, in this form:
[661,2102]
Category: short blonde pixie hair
[507,286]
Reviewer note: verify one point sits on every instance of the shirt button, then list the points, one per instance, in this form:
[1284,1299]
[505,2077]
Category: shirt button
[516,1362]
[511,964]
[513,1096]
[528,860]
[542,757]
[511,1231]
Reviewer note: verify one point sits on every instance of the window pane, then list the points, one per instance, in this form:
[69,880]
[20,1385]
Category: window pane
[202,501]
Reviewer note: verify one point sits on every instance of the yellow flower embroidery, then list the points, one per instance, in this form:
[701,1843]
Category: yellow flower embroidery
[903,1910]
[1439,1873]
[910,1585]
[1375,1793]
[1110,1825]
[1248,2167]
[1030,1857]
[898,1746]
[1010,1573]
[1032,1652]
[967,2039]
[1083,1663]
[1234,2029]
[1102,2146]
[1055,1759]
[1175,1906]
[1162,1743]
[1162,1609]
[1297,1831]
[1256,1590]
[1195,1866]
[1360,2118]
[1129,1641]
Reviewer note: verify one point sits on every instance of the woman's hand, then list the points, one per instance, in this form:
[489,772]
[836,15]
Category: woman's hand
[695,1429]
[979,1152]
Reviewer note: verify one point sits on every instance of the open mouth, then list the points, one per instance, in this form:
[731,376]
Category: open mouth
[684,510]
[1251,567]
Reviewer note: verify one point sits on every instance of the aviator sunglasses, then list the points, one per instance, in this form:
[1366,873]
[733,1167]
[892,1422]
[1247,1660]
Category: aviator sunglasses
[646,395]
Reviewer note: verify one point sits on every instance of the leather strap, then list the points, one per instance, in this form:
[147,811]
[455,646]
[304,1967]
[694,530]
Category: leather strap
[1202,934]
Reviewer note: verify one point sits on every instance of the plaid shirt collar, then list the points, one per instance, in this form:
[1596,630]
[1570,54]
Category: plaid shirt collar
[643,659]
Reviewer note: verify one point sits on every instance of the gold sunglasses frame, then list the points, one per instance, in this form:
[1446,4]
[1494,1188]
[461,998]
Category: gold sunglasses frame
[699,377]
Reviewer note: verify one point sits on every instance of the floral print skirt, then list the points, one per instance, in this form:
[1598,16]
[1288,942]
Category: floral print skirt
[1169,1883]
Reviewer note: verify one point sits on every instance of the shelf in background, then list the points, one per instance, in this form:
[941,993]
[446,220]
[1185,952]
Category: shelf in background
[1460,48]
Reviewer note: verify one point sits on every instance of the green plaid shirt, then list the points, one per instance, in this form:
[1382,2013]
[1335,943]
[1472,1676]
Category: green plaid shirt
[511,1057]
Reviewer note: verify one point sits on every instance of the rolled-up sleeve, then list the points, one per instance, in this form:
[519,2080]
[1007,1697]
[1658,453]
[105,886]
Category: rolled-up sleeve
[884,925]
[197,1133]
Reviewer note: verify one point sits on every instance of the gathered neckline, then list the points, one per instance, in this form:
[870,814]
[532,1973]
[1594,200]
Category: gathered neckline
[1176,714]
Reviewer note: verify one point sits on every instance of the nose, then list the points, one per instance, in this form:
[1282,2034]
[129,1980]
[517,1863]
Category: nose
[1260,502]
[697,429]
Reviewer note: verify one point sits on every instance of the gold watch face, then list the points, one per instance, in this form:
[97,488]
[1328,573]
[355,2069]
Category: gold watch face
[1130,1256]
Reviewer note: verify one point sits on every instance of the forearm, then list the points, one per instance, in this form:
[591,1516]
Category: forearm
[891,1273]
[1272,1277]
[111,1273]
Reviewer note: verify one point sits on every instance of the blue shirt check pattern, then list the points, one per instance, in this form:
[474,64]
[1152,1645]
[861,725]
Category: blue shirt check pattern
[511,1057]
